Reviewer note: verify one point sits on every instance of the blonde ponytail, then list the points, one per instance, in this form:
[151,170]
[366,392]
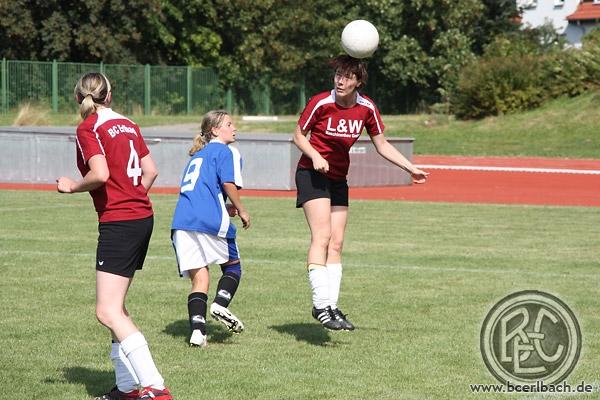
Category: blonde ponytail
[87,107]
[198,144]
[212,120]
[92,91]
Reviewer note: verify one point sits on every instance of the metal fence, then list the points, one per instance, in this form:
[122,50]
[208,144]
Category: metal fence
[146,89]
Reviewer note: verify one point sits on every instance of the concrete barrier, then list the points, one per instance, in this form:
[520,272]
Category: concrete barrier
[41,154]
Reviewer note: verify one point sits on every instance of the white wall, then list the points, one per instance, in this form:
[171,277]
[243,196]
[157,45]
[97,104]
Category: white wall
[540,12]
[40,154]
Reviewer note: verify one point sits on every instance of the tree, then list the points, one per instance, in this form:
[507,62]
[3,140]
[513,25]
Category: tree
[277,43]
[425,43]
[17,30]
[499,16]
[115,31]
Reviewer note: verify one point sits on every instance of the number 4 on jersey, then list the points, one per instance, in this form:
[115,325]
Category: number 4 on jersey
[133,165]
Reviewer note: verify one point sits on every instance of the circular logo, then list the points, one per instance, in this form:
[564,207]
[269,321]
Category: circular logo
[530,336]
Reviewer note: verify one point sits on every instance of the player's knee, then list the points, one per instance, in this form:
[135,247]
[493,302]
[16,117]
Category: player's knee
[335,246]
[321,239]
[106,316]
[199,276]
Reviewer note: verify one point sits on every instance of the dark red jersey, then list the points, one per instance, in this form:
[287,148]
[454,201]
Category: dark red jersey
[123,197]
[334,129]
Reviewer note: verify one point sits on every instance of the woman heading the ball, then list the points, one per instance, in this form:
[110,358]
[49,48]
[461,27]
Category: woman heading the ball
[202,232]
[117,171]
[335,120]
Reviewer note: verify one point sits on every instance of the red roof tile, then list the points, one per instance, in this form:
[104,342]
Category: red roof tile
[585,11]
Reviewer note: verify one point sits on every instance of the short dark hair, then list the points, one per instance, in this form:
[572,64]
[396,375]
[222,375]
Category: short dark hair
[346,65]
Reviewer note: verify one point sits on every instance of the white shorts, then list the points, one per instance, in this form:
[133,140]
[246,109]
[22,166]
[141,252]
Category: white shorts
[198,250]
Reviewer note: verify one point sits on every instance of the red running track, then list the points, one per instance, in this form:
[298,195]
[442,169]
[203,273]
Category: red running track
[500,180]
[495,180]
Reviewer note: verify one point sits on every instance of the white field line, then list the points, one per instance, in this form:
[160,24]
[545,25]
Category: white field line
[300,264]
[40,207]
[510,169]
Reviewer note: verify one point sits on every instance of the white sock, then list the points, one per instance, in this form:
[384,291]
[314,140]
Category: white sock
[126,378]
[136,349]
[335,281]
[319,283]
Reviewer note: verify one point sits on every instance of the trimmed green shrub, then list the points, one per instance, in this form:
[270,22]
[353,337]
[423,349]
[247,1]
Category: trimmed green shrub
[563,74]
[522,70]
[589,58]
[493,86]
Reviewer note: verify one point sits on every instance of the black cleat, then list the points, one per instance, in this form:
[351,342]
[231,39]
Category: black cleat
[326,317]
[341,318]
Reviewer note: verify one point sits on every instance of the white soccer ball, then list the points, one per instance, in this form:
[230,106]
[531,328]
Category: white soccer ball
[360,39]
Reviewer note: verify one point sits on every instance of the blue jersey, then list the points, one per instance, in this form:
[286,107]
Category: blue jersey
[201,204]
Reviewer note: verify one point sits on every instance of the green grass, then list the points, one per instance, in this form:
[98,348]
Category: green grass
[565,127]
[419,279]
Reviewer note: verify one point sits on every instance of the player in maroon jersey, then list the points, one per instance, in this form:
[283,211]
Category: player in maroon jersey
[335,120]
[117,171]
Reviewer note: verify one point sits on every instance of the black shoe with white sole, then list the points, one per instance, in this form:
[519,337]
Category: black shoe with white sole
[341,318]
[327,318]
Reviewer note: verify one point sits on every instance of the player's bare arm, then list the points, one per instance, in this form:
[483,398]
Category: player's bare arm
[96,177]
[300,140]
[390,153]
[149,171]
[234,196]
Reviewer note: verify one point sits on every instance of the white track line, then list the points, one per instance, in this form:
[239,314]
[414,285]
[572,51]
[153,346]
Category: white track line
[510,169]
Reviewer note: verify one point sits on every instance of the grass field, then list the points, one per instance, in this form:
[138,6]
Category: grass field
[419,280]
[565,127]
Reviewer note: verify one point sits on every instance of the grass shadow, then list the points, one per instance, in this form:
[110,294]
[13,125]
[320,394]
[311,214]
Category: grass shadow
[96,381]
[216,332]
[305,332]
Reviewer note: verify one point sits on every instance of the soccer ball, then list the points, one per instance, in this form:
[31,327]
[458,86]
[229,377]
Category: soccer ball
[360,38]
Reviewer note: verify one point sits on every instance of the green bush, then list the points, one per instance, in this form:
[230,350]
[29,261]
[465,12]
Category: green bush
[522,70]
[563,74]
[589,58]
[499,85]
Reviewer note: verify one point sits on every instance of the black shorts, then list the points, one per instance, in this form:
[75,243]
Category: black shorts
[311,185]
[122,246]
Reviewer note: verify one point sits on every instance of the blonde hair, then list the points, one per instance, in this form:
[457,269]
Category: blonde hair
[212,119]
[91,91]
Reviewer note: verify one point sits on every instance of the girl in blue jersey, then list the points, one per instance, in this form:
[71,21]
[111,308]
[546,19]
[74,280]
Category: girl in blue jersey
[202,232]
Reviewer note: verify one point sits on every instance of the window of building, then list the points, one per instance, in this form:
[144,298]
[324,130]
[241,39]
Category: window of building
[529,4]
[559,3]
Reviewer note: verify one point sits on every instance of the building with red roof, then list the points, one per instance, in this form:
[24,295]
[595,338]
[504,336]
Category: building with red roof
[586,11]
[571,18]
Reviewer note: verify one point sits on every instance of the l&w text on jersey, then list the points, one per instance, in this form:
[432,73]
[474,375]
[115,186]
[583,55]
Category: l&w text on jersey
[343,126]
